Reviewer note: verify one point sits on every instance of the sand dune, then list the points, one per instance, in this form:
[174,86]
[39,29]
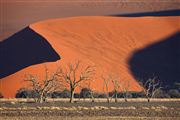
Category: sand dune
[107,42]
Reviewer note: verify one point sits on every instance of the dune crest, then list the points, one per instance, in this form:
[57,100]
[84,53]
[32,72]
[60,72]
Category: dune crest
[107,42]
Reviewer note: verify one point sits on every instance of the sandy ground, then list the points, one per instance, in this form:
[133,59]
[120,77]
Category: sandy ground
[87,110]
[90,118]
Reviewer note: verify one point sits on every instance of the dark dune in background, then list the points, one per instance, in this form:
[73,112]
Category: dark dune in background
[17,14]
[160,59]
[158,13]
[24,49]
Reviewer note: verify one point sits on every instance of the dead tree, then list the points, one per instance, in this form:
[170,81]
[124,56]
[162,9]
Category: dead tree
[74,76]
[91,90]
[106,81]
[125,89]
[115,80]
[42,88]
[150,87]
[116,87]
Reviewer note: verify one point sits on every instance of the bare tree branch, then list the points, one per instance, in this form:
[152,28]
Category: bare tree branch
[48,85]
[73,79]
[151,86]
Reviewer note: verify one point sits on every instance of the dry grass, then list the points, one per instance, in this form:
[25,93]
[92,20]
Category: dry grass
[12,100]
[84,108]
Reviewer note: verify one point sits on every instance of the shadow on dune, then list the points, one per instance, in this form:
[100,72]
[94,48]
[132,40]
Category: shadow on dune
[158,13]
[161,59]
[24,49]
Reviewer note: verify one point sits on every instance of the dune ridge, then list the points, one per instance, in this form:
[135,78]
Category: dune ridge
[107,42]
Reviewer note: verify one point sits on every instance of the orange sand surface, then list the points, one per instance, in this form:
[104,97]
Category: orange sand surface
[107,42]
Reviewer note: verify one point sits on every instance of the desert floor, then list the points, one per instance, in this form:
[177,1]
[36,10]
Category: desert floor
[155,110]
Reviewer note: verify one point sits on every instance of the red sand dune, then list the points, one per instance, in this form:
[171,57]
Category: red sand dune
[107,42]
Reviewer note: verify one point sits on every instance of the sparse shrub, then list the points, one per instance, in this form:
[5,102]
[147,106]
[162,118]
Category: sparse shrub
[137,94]
[177,86]
[130,94]
[56,94]
[65,94]
[111,93]
[161,94]
[76,95]
[85,93]
[25,93]
[122,94]
[174,93]
[61,94]
[142,95]
[22,93]
[101,95]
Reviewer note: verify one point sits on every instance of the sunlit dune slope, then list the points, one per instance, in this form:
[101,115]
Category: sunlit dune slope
[107,42]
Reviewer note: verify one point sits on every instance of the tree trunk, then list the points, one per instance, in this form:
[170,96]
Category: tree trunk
[108,101]
[42,96]
[92,97]
[40,99]
[125,99]
[115,97]
[107,96]
[72,95]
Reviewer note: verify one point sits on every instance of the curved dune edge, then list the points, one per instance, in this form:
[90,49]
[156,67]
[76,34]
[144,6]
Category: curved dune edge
[107,42]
